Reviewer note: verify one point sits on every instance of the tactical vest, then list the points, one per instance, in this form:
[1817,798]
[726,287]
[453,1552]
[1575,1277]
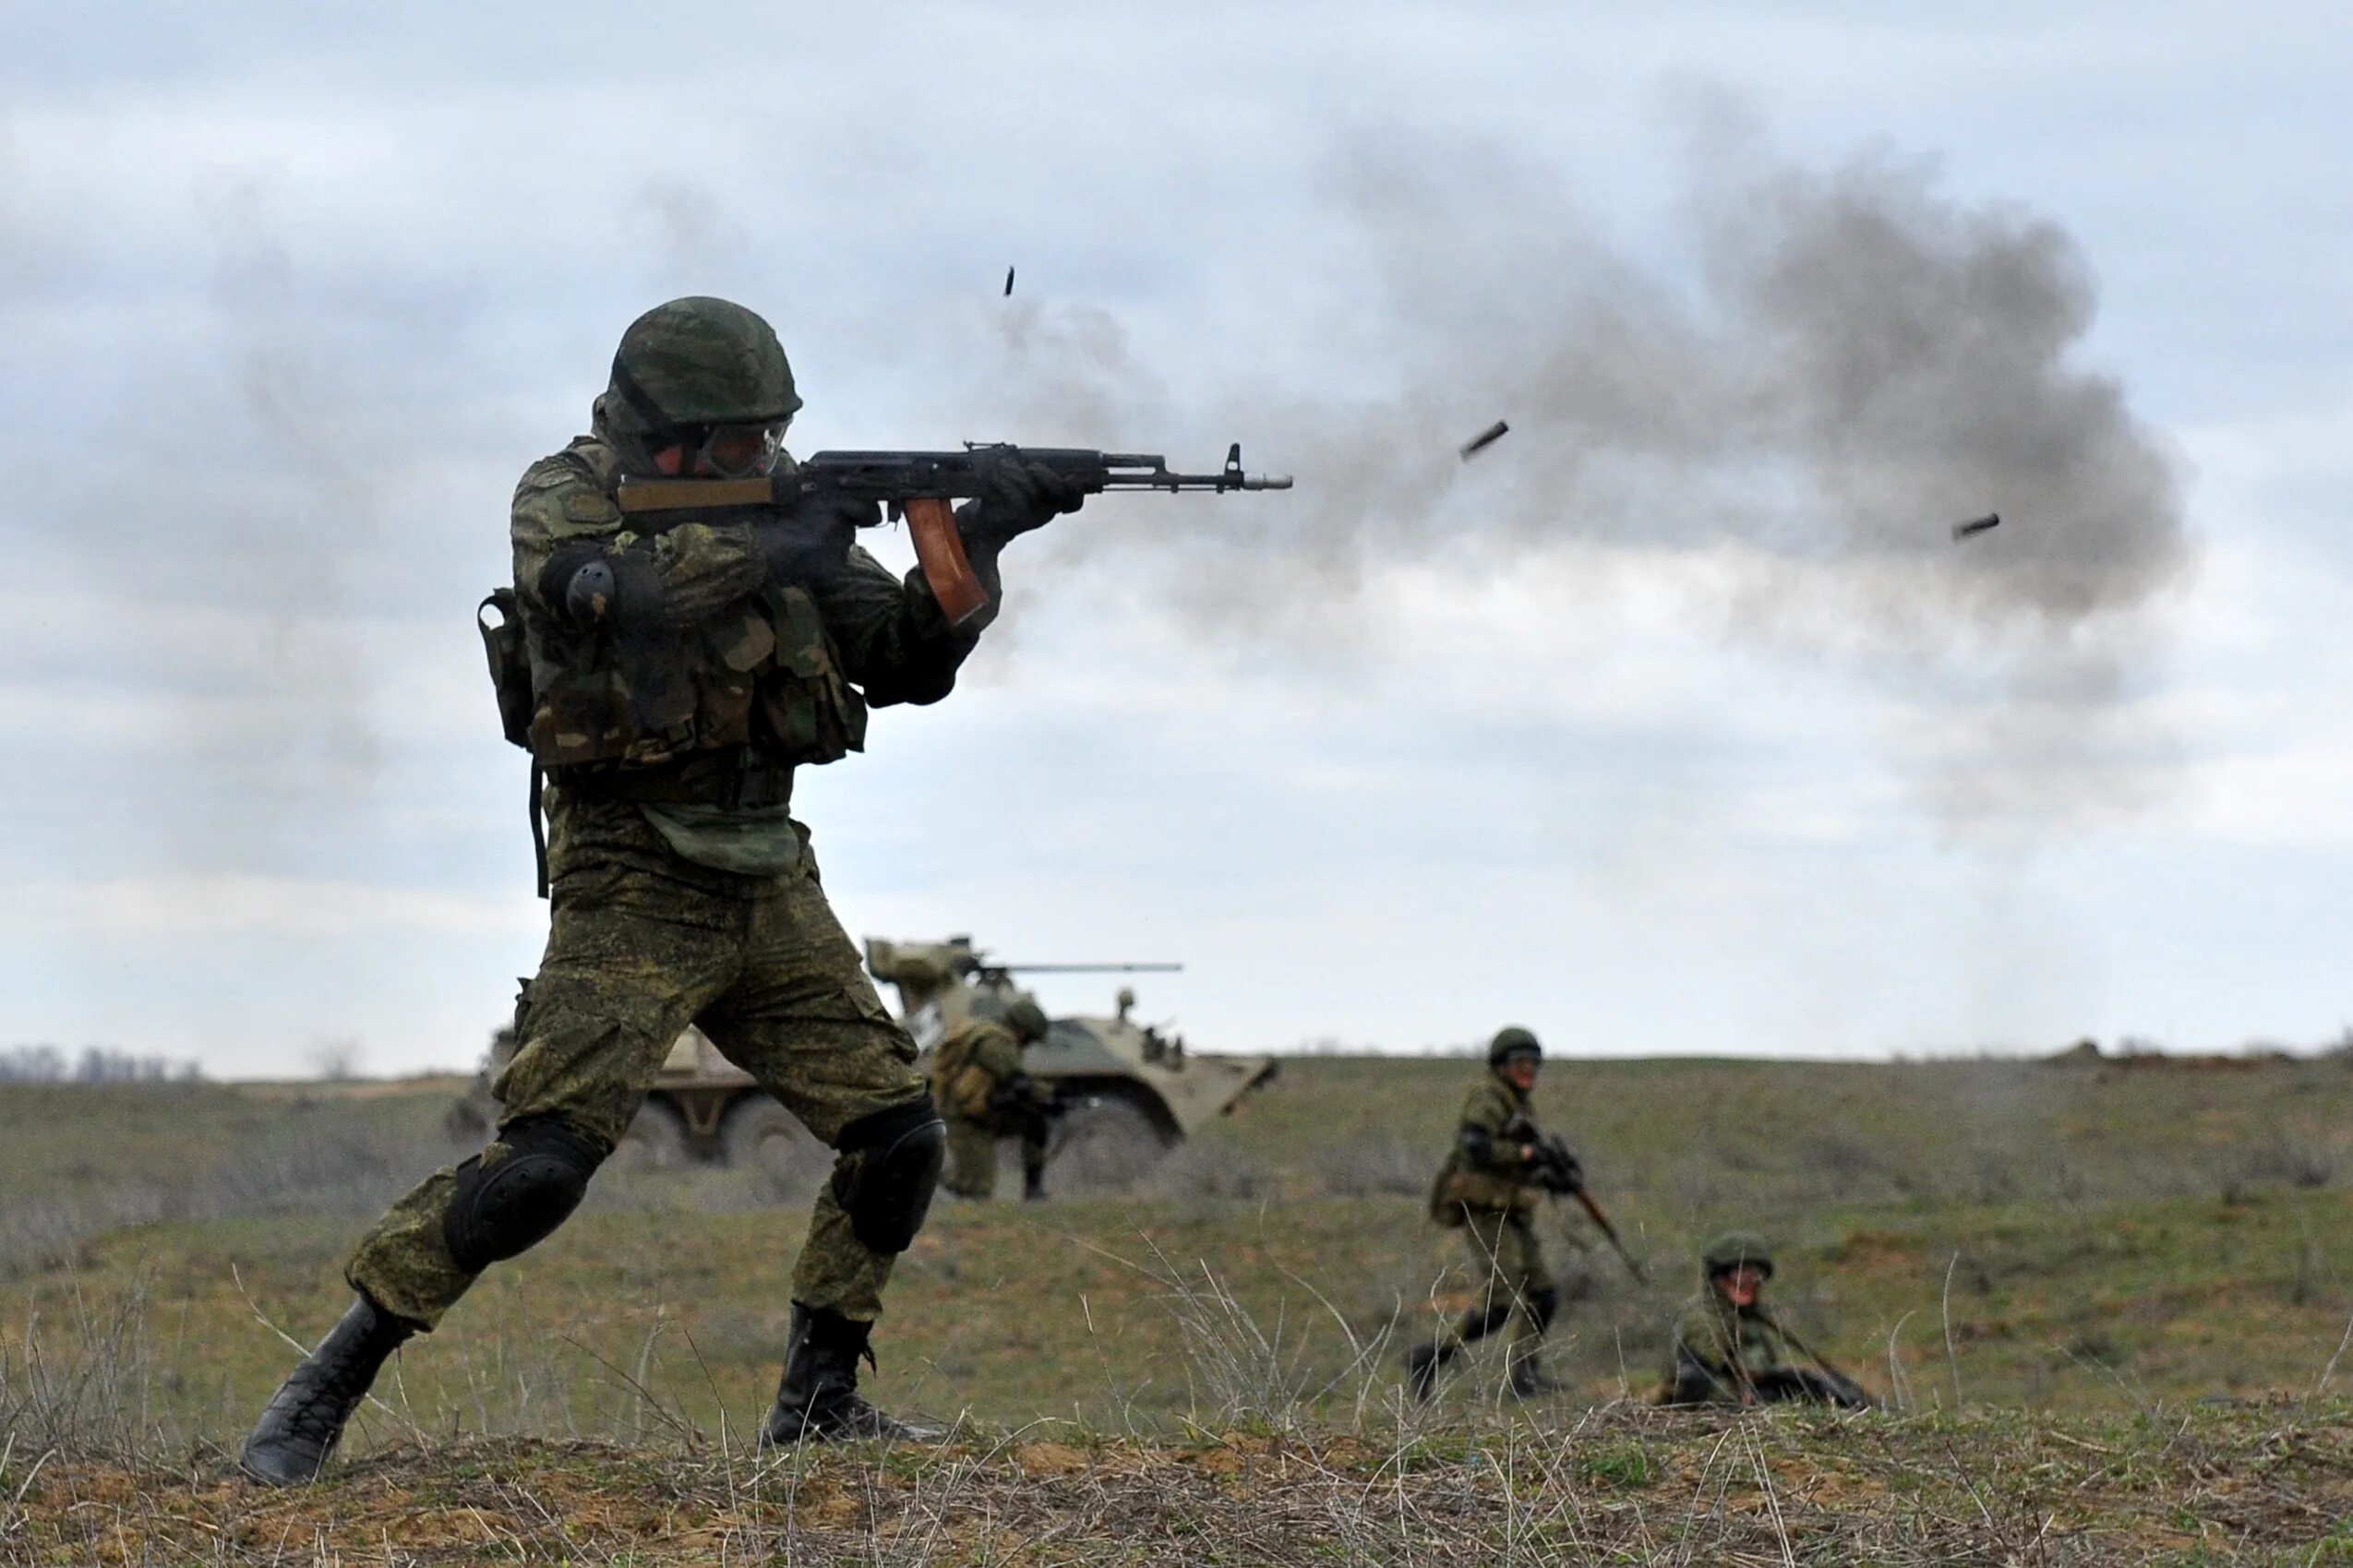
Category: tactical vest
[958,1082]
[1461,1186]
[762,680]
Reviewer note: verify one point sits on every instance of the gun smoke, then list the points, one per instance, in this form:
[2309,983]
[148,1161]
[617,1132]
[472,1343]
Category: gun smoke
[1784,415]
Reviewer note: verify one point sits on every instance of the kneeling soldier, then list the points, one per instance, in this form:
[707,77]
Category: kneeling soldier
[1489,1188]
[1728,1350]
[984,1095]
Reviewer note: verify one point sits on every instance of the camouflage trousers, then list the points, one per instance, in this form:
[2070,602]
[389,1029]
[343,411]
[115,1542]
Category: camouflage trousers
[643,942]
[972,1152]
[1508,1262]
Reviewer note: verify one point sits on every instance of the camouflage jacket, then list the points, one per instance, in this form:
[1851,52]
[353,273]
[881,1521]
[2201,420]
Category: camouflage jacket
[1712,1336]
[728,677]
[1484,1171]
[977,1058]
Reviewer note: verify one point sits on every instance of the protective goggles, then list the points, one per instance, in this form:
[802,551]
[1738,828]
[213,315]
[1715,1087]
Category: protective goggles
[740,451]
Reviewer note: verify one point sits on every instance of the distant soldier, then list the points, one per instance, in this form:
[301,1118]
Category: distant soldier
[1728,1350]
[978,1080]
[1489,1188]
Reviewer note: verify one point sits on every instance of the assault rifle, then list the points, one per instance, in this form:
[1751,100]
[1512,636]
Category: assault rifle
[918,487]
[1834,1386]
[1560,1173]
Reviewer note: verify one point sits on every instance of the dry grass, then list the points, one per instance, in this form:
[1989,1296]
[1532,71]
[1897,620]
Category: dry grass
[1621,1484]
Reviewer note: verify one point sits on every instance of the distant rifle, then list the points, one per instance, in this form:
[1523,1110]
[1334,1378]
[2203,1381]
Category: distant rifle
[984,966]
[1849,1392]
[918,487]
[1560,1173]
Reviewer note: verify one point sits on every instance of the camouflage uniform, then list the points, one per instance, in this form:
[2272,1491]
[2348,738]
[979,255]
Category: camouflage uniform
[1724,1354]
[1488,1183]
[646,935]
[1718,1350]
[984,1094]
[668,681]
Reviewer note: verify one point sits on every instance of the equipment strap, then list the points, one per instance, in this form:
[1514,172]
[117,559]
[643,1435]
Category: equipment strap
[538,827]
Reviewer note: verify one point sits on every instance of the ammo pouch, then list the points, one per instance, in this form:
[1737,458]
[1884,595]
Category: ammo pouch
[503,643]
[957,1082]
[1459,1189]
[1445,1209]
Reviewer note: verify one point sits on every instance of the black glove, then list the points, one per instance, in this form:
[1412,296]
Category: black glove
[809,544]
[1557,1170]
[1018,497]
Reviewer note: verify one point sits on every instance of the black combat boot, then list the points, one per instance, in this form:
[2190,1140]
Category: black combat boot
[1527,1376]
[818,1400]
[1033,1185]
[301,1425]
[1425,1362]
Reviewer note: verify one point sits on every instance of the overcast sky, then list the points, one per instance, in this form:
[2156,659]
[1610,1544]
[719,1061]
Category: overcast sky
[1675,722]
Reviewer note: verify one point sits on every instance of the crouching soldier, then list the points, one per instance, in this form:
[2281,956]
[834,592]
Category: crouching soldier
[1488,1189]
[1728,1350]
[984,1095]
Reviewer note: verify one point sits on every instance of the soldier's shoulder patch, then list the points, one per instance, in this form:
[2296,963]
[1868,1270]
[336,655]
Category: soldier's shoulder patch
[584,505]
[550,473]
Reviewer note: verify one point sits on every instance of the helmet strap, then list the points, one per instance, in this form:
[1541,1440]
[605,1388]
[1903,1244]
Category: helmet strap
[659,425]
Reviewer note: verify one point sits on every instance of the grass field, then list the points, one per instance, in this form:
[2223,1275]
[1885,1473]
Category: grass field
[2109,1294]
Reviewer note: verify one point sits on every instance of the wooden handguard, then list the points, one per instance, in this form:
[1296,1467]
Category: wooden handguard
[939,549]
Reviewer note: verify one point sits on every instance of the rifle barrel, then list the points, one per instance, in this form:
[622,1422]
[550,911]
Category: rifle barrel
[1617,1244]
[1804,1349]
[1089,968]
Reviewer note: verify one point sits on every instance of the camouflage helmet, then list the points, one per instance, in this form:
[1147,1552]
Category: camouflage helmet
[695,363]
[1026,1019]
[1736,1248]
[1510,1042]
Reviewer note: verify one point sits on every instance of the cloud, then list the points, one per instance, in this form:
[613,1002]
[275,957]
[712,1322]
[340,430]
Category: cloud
[237,905]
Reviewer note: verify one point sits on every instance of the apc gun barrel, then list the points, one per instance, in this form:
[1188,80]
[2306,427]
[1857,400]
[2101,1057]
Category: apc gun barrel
[1089,968]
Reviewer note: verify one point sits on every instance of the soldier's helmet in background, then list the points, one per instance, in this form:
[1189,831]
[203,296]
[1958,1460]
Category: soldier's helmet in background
[1736,1248]
[1026,1019]
[1511,1041]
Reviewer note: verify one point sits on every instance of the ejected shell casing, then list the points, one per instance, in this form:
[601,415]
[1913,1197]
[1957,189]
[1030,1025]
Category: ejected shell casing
[1009,282]
[1485,439]
[1975,525]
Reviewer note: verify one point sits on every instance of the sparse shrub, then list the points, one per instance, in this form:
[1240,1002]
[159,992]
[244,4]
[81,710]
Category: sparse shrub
[2278,1159]
[1195,1170]
[1844,1163]
[1994,1174]
[1623,1465]
[1376,1168]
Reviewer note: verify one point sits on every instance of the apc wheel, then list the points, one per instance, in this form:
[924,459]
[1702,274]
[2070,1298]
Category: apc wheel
[655,1140]
[1107,1145]
[765,1142]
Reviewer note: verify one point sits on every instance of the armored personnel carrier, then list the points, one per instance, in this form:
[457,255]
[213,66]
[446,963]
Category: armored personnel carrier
[1127,1083]
[700,1108]
[1132,1091]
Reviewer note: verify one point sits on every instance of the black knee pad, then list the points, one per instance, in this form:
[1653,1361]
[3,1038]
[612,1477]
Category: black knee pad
[1541,1305]
[510,1206]
[889,1166]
